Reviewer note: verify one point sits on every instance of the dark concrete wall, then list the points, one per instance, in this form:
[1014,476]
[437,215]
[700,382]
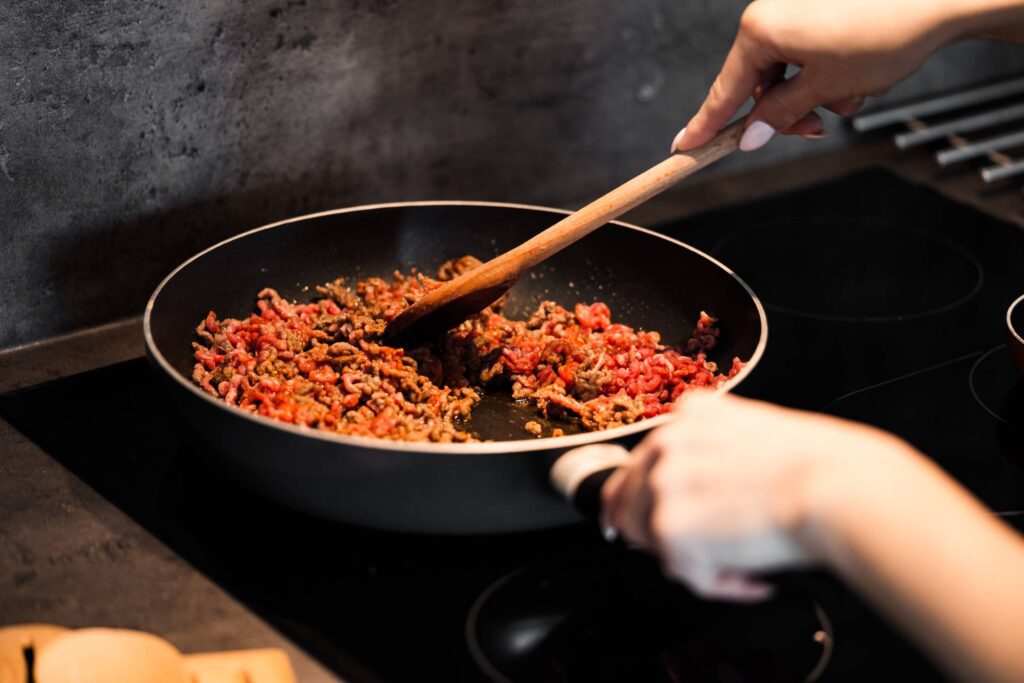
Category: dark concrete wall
[134,133]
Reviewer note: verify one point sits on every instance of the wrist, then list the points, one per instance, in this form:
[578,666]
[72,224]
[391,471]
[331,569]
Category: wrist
[981,20]
[857,475]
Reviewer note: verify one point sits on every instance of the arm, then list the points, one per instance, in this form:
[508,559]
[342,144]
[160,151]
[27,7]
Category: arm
[932,559]
[735,487]
[1001,20]
[847,50]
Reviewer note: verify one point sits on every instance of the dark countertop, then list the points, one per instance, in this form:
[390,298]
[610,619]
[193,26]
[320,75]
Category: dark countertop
[68,556]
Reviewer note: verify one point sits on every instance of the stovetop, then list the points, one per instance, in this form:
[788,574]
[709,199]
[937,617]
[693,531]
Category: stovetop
[885,304]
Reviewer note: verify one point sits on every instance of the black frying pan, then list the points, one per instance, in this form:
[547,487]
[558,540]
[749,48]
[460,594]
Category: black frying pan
[648,280]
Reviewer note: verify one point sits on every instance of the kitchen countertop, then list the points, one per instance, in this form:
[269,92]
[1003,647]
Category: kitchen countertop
[70,557]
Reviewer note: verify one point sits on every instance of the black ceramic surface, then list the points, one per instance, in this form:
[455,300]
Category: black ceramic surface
[371,605]
[610,615]
[649,281]
[379,606]
[823,266]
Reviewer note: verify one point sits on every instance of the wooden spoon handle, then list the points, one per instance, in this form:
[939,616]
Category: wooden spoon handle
[633,192]
[471,292]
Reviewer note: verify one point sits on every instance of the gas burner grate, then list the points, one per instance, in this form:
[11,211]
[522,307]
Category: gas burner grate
[978,111]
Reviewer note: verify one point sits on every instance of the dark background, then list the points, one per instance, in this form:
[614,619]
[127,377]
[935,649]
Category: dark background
[133,134]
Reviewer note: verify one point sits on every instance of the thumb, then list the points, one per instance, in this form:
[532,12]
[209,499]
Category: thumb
[779,107]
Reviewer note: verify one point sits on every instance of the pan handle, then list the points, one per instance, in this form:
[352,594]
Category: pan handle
[580,474]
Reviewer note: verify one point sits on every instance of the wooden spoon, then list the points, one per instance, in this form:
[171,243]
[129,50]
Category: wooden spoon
[445,307]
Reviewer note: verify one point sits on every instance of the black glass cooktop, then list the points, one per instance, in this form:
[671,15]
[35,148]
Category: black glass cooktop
[885,303]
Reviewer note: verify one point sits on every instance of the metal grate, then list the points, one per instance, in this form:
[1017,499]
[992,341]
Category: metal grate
[999,104]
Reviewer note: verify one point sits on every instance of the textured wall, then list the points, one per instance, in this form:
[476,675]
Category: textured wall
[134,133]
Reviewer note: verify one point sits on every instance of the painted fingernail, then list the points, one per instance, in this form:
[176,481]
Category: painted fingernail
[756,136]
[678,140]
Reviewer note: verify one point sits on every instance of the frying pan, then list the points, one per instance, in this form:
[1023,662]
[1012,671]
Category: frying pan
[648,280]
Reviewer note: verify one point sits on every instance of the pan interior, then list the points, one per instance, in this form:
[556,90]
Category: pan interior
[648,281]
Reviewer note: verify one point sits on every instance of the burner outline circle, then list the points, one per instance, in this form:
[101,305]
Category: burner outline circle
[715,250]
[482,661]
[974,392]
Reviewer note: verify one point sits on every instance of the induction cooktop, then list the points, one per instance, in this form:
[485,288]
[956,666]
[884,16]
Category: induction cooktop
[886,304]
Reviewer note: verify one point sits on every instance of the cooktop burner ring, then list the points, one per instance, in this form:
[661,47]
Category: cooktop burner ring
[553,635]
[768,256]
[974,390]
[992,378]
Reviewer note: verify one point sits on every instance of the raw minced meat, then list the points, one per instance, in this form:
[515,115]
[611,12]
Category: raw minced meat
[323,364]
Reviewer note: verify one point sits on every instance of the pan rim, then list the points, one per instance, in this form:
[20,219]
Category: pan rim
[487,447]
[1017,334]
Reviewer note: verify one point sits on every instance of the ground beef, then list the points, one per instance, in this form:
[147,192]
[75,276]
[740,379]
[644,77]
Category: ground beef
[322,365]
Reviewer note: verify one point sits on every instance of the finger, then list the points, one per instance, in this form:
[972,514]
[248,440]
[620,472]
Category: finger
[611,494]
[774,75]
[733,86]
[630,510]
[736,587]
[779,108]
[619,486]
[709,582]
[810,126]
[846,107]
[699,577]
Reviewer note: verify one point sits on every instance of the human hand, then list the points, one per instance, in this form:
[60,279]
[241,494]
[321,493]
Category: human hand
[733,487]
[846,50]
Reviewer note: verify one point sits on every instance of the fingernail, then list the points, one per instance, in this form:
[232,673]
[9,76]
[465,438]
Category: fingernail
[610,533]
[678,140]
[756,136]
[816,134]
